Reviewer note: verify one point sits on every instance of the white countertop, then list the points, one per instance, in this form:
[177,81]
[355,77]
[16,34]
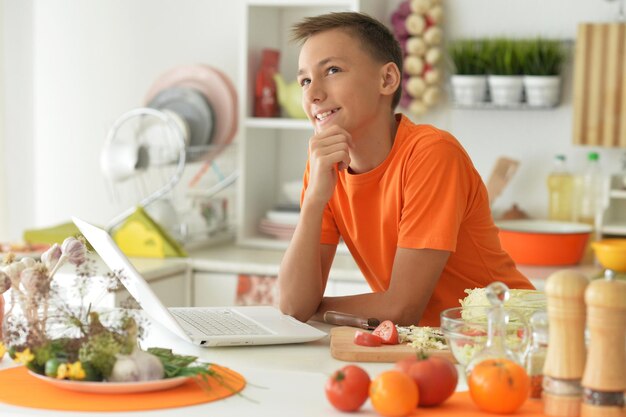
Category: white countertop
[283,380]
[232,258]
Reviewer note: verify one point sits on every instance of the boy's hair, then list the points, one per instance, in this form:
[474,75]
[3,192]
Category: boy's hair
[376,39]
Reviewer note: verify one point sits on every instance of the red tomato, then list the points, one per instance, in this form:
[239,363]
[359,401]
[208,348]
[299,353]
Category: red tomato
[436,377]
[474,332]
[388,332]
[367,339]
[348,388]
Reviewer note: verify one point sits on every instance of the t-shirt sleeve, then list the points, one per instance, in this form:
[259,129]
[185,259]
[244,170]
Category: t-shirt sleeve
[436,195]
[330,232]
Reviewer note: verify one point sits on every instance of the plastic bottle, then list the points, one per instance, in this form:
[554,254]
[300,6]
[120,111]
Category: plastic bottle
[265,93]
[590,188]
[560,188]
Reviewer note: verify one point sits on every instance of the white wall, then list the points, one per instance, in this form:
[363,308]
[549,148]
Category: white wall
[19,118]
[3,198]
[91,61]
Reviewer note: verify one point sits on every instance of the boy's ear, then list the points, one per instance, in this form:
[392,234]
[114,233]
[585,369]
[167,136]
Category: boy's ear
[390,76]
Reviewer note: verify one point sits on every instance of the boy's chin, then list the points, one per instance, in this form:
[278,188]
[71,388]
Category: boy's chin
[320,127]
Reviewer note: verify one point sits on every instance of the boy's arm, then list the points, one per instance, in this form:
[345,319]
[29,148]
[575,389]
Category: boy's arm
[305,267]
[414,276]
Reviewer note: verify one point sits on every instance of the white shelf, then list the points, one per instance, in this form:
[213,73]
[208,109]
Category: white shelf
[492,106]
[274,150]
[614,229]
[618,194]
[278,123]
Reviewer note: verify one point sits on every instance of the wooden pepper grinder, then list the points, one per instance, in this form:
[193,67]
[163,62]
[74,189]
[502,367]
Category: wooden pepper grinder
[565,359]
[604,379]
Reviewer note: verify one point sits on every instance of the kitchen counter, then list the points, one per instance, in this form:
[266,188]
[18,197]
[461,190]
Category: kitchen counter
[283,380]
[231,258]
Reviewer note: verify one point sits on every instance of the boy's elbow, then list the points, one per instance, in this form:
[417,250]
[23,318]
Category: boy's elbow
[297,312]
[406,315]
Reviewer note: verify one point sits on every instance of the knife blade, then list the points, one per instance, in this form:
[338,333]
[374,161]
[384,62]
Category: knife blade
[346,319]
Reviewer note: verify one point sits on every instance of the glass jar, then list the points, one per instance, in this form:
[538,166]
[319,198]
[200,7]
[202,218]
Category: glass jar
[536,357]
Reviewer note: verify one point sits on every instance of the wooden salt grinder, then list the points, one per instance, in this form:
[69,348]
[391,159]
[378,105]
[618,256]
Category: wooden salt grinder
[604,379]
[565,359]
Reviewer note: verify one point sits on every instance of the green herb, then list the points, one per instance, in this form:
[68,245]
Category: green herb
[542,56]
[505,57]
[178,365]
[468,57]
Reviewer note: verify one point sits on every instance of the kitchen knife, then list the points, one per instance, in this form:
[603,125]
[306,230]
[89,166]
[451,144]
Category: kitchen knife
[345,319]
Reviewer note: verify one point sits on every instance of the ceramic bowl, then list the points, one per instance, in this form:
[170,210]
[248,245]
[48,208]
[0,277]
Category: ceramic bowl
[544,242]
[611,253]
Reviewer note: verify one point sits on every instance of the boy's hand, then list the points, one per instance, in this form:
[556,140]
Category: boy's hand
[328,150]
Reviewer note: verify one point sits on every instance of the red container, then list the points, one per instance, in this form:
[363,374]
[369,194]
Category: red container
[265,93]
[544,242]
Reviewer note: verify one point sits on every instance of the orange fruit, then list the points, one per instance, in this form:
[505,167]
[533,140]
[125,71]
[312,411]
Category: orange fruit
[498,385]
[393,394]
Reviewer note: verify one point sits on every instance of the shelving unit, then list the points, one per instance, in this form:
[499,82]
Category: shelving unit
[274,150]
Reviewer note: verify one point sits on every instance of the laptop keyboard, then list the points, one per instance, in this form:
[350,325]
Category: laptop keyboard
[219,322]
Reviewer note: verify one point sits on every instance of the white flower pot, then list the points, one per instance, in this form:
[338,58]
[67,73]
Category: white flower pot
[542,91]
[506,90]
[469,89]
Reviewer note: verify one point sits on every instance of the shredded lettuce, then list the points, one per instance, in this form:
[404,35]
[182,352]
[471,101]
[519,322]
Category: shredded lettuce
[425,338]
[525,302]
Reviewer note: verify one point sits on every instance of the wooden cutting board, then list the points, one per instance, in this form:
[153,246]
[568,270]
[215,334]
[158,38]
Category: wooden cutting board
[342,347]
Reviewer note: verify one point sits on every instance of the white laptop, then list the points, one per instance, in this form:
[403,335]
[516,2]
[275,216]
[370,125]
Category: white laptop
[204,326]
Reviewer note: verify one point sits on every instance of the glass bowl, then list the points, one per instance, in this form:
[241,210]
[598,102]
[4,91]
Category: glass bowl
[465,330]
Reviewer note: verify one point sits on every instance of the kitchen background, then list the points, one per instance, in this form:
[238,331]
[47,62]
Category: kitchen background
[70,68]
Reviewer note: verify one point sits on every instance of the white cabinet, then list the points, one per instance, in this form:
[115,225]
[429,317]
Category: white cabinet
[211,289]
[173,291]
[274,150]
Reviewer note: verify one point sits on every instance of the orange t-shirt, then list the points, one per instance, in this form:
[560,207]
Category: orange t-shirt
[425,194]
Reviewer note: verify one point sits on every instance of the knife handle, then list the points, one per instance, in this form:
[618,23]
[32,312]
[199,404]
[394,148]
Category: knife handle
[346,319]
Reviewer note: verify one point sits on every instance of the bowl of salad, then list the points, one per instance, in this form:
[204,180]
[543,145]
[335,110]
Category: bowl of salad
[466,330]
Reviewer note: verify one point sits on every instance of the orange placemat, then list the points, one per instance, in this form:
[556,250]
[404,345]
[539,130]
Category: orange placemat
[17,387]
[460,404]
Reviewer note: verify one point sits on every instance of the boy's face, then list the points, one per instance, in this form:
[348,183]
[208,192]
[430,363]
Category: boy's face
[341,83]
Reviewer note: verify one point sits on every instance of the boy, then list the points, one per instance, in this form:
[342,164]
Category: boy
[405,198]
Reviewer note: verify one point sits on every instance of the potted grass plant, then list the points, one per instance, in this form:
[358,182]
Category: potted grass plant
[505,71]
[469,79]
[542,61]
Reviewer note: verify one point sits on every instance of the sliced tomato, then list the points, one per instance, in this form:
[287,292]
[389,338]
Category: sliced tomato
[367,339]
[473,332]
[387,332]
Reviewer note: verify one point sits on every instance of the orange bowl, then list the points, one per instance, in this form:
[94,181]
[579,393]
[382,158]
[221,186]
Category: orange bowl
[611,253]
[544,242]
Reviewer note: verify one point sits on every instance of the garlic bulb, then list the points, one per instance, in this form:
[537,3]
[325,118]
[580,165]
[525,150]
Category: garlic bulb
[415,45]
[415,24]
[413,65]
[138,366]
